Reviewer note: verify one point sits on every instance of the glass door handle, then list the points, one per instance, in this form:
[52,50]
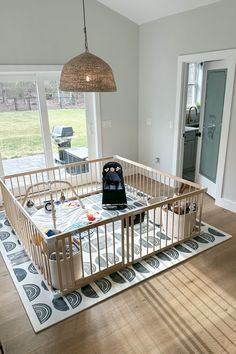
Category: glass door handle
[199,134]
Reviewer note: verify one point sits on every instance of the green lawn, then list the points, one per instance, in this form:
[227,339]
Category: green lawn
[20,133]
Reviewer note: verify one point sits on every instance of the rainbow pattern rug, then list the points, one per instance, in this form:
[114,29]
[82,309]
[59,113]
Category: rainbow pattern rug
[44,311]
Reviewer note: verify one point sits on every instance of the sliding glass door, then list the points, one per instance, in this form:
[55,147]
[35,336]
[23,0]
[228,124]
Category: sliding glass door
[20,133]
[67,123]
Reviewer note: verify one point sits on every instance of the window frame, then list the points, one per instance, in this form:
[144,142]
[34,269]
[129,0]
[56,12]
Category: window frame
[39,73]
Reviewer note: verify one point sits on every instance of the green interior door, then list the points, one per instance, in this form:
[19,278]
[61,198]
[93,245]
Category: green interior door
[211,131]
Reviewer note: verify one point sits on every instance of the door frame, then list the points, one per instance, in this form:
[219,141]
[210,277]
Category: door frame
[180,113]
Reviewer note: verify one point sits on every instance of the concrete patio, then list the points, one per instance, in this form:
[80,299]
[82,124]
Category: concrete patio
[34,162]
[23,164]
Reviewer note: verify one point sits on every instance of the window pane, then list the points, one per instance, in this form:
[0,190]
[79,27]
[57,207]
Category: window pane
[67,121]
[194,84]
[199,84]
[192,73]
[190,96]
[21,142]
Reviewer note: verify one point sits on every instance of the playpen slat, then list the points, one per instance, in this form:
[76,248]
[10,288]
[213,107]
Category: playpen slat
[106,245]
[31,241]
[40,250]
[123,241]
[147,232]
[81,253]
[37,181]
[18,184]
[161,224]
[114,246]
[132,238]
[98,248]
[173,225]
[140,239]
[71,257]
[90,175]
[86,178]
[154,229]
[178,221]
[46,262]
[90,255]
[127,238]
[58,261]
[12,189]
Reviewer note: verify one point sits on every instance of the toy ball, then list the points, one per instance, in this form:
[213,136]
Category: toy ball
[52,232]
[91,217]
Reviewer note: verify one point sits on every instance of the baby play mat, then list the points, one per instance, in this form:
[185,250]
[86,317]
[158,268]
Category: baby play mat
[43,310]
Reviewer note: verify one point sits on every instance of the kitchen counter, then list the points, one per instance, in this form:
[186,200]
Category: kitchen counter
[190,129]
[190,148]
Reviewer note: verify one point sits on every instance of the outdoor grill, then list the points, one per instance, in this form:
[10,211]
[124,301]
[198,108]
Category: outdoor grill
[62,137]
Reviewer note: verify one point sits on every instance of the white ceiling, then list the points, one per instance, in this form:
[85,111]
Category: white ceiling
[141,11]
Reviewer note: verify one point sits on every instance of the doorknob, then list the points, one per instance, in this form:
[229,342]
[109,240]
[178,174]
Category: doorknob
[199,134]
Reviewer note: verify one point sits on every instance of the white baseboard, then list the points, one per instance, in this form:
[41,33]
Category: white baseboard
[226,204]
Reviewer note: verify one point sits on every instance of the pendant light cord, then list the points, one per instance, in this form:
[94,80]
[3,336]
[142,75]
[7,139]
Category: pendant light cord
[85,30]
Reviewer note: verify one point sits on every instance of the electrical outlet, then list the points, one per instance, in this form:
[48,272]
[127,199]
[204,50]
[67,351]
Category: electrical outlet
[106,124]
[148,122]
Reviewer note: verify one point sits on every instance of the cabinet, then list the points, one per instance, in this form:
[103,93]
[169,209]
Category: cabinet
[190,150]
[78,154]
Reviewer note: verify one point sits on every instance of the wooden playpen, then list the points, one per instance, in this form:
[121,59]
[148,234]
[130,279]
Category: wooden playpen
[167,211]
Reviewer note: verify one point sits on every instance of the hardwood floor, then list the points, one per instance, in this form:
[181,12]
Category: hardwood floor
[188,309]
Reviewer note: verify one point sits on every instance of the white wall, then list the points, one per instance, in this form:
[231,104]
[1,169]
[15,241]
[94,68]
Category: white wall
[161,42]
[51,32]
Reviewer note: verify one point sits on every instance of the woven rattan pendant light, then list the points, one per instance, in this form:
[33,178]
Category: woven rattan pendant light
[87,72]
